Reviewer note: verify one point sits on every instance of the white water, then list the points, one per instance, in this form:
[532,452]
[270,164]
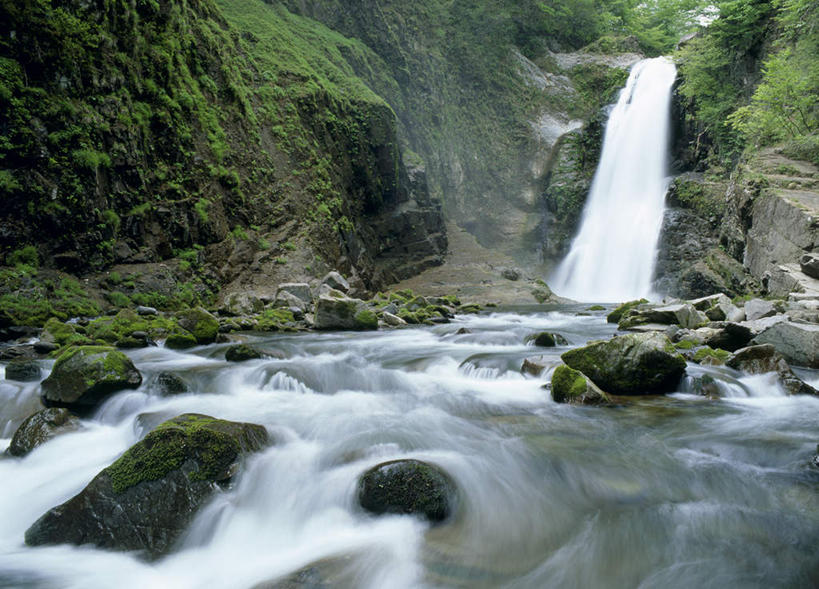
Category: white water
[613,255]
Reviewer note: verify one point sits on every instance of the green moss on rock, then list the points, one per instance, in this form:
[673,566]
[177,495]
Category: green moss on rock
[200,323]
[366,319]
[616,315]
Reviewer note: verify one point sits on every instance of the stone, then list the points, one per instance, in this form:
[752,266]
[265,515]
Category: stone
[42,347]
[343,313]
[148,497]
[180,339]
[618,313]
[410,487]
[392,320]
[537,365]
[797,342]
[23,371]
[759,309]
[146,311]
[242,352]
[705,303]
[809,264]
[288,300]
[41,427]
[337,281]
[575,388]
[200,323]
[300,290]
[726,335]
[704,385]
[632,364]
[84,376]
[510,274]
[547,339]
[242,303]
[171,384]
[683,314]
[764,358]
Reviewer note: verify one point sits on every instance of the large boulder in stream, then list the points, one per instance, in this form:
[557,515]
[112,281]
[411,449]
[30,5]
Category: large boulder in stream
[201,324]
[84,375]
[147,498]
[409,487]
[633,364]
[575,388]
[41,427]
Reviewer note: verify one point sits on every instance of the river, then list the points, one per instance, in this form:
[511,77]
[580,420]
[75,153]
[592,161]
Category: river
[675,491]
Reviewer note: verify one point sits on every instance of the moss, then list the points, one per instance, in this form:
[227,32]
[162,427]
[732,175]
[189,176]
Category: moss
[61,332]
[200,323]
[567,383]
[366,319]
[180,339]
[618,313]
[718,355]
[596,308]
[685,345]
[275,320]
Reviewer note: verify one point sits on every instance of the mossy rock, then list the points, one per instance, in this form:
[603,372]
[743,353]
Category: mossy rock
[573,387]
[409,487]
[203,325]
[633,364]
[171,384]
[241,353]
[366,320]
[618,313]
[41,427]
[547,339]
[84,375]
[180,339]
[148,497]
[710,356]
[57,332]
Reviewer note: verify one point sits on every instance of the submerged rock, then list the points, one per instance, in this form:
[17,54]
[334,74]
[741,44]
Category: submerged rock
[633,364]
[408,487]
[144,500]
[546,339]
[575,388]
[764,358]
[41,427]
[242,352]
[171,384]
[84,375]
[23,371]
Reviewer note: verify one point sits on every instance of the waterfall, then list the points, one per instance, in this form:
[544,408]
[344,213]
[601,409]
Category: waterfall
[612,257]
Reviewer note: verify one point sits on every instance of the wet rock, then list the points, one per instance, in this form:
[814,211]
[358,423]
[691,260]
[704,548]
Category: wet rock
[343,313]
[537,365]
[809,264]
[547,339]
[23,352]
[200,323]
[575,388]
[463,331]
[180,339]
[392,320]
[759,309]
[797,342]
[41,427]
[705,386]
[84,375]
[171,384]
[408,487]
[633,364]
[764,358]
[618,313]
[336,281]
[23,371]
[147,498]
[241,353]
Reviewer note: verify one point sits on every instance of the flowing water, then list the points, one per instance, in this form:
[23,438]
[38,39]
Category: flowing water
[676,491]
[612,257]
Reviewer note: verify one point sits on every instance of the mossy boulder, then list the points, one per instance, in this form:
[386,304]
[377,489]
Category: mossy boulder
[169,383]
[84,375]
[203,325]
[633,364]
[547,339]
[180,339]
[618,313]
[41,427]
[575,388]
[57,332]
[409,487]
[146,499]
[242,352]
[366,319]
[343,313]
[23,370]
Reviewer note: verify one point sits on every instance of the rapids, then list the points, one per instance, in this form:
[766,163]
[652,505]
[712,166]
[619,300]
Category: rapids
[661,492]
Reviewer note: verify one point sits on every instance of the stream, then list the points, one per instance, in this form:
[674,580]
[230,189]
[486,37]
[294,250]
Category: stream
[660,492]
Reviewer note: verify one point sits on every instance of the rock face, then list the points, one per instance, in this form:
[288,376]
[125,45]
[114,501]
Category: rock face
[575,388]
[408,487]
[146,498]
[84,375]
[343,313]
[631,364]
[764,358]
[41,427]
[797,342]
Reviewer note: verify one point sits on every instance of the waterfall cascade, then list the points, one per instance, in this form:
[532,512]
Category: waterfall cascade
[612,257]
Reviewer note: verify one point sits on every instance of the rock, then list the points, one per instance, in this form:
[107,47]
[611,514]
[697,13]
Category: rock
[546,339]
[704,385]
[41,427]
[633,364]
[726,335]
[180,339]
[705,303]
[343,313]
[288,300]
[146,311]
[392,320]
[511,274]
[797,342]
[336,281]
[759,309]
[84,375]
[463,331]
[242,303]
[809,264]
[242,352]
[200,323]
[618,313]
[57,332]
[146,499]
[536,365]
[408,487]
[299,290]
[573,387]
[684,315]
[42,347]
[171,384]
[764,358]
[23,371]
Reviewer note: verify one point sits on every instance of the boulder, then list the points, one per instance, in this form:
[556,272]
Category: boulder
[764,358]
[299,291]
[41,427]
[242,352]
[180,339]
[242,303]
[759,309]
[704,385]
[809,264]
[84,375]
[547,339]
[170,384]
[705,303]
[536,365]
[23,371]
[343,313]
[147,498]
[575,388]
[618,313]
[797,342]
[633,364]
[726,335]
[286,300]
[408,487]
[512,274]
[392,320]
[683,314]
[146,311]
[200,323]
[337,281]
